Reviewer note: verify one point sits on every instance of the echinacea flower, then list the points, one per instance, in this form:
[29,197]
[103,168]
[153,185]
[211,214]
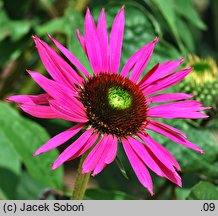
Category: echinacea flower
[203,81]
[111,107]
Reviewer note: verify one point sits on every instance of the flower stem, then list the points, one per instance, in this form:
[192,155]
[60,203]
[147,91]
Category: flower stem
[81,181]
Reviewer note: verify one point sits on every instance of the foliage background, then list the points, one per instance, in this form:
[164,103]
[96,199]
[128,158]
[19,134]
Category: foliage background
[184,27]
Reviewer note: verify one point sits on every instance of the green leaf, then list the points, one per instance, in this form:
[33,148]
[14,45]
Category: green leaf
[15,29]
[203,191]
[26,137]
[9,167]
[166,8]
[186,9]
[28,188]
[99,194]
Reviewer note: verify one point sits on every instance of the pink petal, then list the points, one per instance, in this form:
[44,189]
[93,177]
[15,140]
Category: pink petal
[92,43]
[161,124]
[138,166]
[142,61]
[67,114]
[181,109]
[56,65]
[81,40]
[142,152]
[59,139]
[116,40]
[91,141]
[61,93]
[70,57]
[39,111]
[112,152]
[170,174]
[132,61]
[95,155]
[160,71]
[73,148]
[169,97]
[165,82]
[101,163]
[157,150]
[30,99]
[103,40]
[171,134]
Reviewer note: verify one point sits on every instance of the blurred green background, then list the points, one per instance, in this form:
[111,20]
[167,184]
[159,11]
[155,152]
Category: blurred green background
[185,27]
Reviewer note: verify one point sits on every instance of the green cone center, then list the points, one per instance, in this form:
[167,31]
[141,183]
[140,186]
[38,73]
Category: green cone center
[119,98]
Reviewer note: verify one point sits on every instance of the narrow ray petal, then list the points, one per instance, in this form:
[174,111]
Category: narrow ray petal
[142,62]
[171,134]
[142,152]
[67,114]
[170,174]
[166,82]
[57,67]
[70,57]
[103,40]
[59,139]
[59,92]
[162,70]
[90,142]
[30,99]
[155,148]
[116,40]
[81,40]
[169,97]
[73,148]
[112,150]
[92,43]
[94,156]
[39,111]
[181,109]
[138,166]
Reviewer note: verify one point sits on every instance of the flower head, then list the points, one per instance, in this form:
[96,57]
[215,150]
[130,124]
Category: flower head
[111,107]
[203,81]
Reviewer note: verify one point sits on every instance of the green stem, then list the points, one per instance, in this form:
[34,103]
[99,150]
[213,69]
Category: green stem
[81,181]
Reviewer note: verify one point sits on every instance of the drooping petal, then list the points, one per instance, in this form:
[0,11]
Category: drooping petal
[70,57]
[30,99]
[162,70]
[142,61]
[39,111]
[161,124]
[155,148]
[170,174]
[103,40]
[169,97]
[94,156]
[165,82]
[59,139]
[57,67]
[138,166]
[73,148]
[91,141]
[112,150]
[172,134]
[116,40]
[142,152]
[92,43]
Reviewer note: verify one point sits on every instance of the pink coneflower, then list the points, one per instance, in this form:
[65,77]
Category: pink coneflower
[111,107]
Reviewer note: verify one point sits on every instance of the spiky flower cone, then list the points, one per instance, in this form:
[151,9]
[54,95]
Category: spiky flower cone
[202,81]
